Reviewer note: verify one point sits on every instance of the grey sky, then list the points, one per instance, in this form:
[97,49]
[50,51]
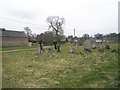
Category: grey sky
[86,16]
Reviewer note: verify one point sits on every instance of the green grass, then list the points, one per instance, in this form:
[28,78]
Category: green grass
[60,70]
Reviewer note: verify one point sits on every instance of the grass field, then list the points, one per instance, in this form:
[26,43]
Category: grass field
[27,69]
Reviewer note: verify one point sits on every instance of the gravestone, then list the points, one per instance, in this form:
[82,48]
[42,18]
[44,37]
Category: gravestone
[93,46]
[71,49]
[38,49]
[30,44]
[76,43]
[107,46]
[87,45]
[80,42]
[101,48]
[49,49]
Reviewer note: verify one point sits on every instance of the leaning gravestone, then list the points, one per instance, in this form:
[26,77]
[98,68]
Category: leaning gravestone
[87,45]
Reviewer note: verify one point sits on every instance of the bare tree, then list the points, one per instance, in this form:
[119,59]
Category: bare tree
[33,38]
[28,32]
[56,23]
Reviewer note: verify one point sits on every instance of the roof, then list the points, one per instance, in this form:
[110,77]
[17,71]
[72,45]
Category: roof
[9,33]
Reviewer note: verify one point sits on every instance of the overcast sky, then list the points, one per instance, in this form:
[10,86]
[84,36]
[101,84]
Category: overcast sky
[86,16]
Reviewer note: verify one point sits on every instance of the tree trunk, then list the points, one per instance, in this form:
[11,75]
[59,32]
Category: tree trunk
[58,49]
[55,46]
[40,47]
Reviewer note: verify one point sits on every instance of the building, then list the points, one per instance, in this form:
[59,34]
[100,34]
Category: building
[13,38]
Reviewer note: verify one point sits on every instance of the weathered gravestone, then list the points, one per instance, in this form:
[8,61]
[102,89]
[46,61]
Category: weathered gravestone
[30,44]
[101,48]
[71,49]
[80,42]
[107,46]
[38,49]
[76,43]
[87,45]
[93,46]
[49,49]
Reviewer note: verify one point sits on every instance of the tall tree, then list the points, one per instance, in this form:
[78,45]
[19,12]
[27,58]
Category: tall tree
[98,36]
[47,37]
[39,39]
[56,23]
[85,36]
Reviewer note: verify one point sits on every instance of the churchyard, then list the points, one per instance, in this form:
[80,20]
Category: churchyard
[64,69]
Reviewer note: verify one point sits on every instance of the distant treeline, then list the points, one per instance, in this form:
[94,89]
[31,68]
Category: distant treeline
[112,37]
[49,37]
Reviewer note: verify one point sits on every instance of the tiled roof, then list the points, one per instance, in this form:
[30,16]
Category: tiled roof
[9,33]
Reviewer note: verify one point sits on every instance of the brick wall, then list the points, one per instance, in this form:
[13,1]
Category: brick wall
[14,41]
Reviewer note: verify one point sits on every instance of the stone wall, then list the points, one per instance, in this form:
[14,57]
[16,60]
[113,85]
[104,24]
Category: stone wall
[14,41]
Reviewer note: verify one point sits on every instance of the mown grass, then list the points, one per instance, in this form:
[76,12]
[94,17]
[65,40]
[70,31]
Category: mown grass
[28,69]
